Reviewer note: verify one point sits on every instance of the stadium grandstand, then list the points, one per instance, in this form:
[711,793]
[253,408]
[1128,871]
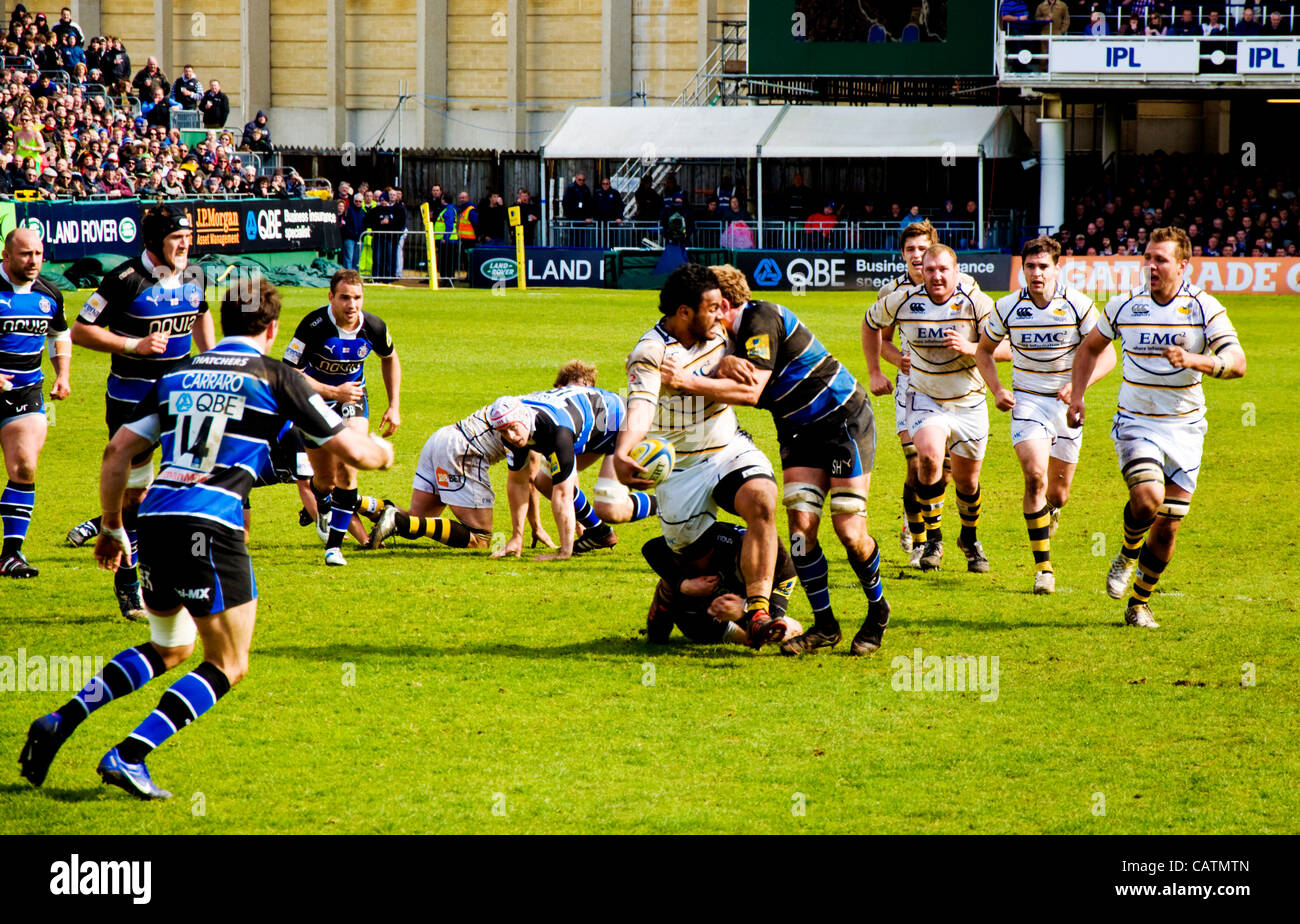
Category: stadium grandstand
[713,125]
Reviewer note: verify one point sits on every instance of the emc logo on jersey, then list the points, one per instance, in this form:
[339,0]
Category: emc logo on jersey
[1032,337]
[1157,339]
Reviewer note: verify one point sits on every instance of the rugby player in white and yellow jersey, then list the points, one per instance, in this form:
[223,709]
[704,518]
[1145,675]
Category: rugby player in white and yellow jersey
[914,241]
[1171,333]
[718,465]
[946,409]
[1044,322]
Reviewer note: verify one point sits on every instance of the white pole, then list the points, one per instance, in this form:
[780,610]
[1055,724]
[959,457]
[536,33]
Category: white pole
[1051,177]
[544,238]
[980,210]
[760,198]
[401,102]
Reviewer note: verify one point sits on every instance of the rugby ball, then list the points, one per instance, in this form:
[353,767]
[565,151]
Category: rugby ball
[656,457]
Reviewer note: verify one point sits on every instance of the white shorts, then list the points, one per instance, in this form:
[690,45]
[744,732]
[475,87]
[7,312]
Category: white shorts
[1175,445]
[967,427]
[455,471]
[1038,417]
[901,386]
[686,505]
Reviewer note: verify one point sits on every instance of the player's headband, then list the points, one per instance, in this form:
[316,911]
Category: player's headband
[508,410]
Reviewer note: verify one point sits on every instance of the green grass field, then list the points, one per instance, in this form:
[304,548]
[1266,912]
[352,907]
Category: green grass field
[514,696]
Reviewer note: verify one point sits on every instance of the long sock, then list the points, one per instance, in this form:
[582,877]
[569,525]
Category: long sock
[16,502]
[185,700]
[968,508]
[127,672]
[440,529]
[643,505]
[1038,524]
[814,575]
[372,506]
[344,501]
[1135,532]
[930,497]
[323,498]
[868,573]
[582,509]
[1149,569]
[755,603]
[126,574]
[914,513]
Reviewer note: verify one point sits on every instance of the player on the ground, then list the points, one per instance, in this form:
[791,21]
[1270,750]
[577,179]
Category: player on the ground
[1172,333]
[1044,322]
[452,471]
[31,316]
[701,590]
[827,435]
[946,408]
[146,313]
[569,428]
[216,416]
[718,465]
[330,347]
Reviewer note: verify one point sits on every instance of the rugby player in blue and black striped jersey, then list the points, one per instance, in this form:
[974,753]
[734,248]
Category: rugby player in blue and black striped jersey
[330,347]
[31,314]
[146,313]
[217,417]
[827,435]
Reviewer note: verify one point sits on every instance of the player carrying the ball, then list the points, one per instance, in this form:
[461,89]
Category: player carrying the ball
[827,435]
[717,464]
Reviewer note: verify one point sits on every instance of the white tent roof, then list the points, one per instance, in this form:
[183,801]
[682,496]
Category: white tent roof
[785,131]
[669,131]
[894,131]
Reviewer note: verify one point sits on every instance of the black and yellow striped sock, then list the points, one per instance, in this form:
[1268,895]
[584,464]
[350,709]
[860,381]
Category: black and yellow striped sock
[915,515]
[1149,569]
[1039,543]
[968,508]
[372,506]
[930,497]
[440,529]
[1135,532]
[756,602]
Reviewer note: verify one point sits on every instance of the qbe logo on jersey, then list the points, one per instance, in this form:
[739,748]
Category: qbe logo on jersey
[264,224]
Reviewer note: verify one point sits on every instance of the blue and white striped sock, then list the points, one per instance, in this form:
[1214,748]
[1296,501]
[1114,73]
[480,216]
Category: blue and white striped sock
[185,700]
[643,505]
[16,503]
[127,672]
[814,574]
[582,509]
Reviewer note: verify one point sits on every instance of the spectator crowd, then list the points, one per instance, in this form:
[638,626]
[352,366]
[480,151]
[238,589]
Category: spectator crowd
[1149,18]
[77,124]
[1226,211]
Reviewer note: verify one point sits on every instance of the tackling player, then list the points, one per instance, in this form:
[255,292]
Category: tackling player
[701,590]
[1172,333]
[827,435]
[946,407]
[718,465]
[570,428]
[216,416]
[1044,322]
[330,347]
[145,313]
[31,316]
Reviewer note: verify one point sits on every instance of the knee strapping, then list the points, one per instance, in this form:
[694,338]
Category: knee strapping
[803,497]
[140,478]
[1143,471]
[1173,509]
[848,501]
[609,491]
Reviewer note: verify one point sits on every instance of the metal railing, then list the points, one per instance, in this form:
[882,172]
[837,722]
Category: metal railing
[776,234]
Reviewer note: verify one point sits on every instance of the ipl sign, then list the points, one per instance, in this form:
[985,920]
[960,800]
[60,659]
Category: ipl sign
[1128,57]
